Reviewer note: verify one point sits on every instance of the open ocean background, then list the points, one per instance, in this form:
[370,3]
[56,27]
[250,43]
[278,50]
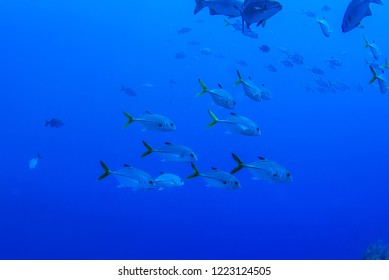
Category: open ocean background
[68,60]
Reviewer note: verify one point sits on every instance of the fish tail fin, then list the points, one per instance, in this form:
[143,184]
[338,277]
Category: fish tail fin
[106,170]
[227,23]
[375,76]
[380,2]
[367,43]
[239,81]
[203,87]
[199,6]
[129,117]
[214,119]
[196,172]
[239,162]
[149,150]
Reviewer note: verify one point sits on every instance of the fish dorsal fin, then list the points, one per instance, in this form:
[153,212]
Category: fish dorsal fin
[368,12]
[219,85]
[212,12]
[261,158]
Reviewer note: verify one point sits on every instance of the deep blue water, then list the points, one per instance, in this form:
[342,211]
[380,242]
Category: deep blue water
[68,60]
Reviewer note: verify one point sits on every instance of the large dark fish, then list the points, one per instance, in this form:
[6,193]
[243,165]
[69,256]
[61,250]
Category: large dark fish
[355,12]
[258,11]
[229,8]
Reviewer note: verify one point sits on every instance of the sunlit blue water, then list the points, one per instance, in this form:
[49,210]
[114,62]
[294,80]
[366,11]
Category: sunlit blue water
[68,60]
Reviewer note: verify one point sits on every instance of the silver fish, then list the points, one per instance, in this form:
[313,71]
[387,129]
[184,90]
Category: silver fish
[325,27]
[216,178]
[355,12]
[373,48]
[249,87]
[33,162]
[381,80]
[168,180]
[171,152]
[151,121]
[129,177]
[237,124]
[219,95]
[264,170]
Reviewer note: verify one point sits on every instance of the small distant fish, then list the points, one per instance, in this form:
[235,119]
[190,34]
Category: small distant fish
[237,25]
[326,8]
[381,80]
[168,180]
[264,170]
[171,152]
[219,95]
[172,82]
[230,8]
[309,13]
[316,70]
[33,162]
[129,177]
[216,178]
[334,62]
[128,91]
[296,58]
[151,121]
[220,55]
[193,43]
[355,12]
[242,63]
[264,48]
[56,123]
[325,27]
[237,124]
[373,48]
[147,85]
[206,51]
[271,68]
[180,55]
[287,63]
[184,30]
[199,20]
[322,83]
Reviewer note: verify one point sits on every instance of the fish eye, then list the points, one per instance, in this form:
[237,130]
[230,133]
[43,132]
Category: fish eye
[287,174]
[236,183]
[224,183]
[274,175]
[192,155]
[257,128]
[151,182]
[159,124]
[172,124]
